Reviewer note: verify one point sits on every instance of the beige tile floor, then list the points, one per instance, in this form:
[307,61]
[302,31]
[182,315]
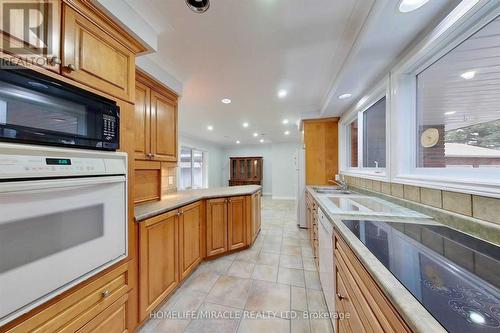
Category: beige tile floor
[275,283]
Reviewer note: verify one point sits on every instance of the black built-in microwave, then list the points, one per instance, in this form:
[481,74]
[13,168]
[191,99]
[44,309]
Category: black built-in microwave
[38,109]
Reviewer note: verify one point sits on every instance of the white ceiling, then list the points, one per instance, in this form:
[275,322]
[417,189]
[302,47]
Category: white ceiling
[247,50]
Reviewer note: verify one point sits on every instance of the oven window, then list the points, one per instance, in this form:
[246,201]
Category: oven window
[25,108]
[27,240]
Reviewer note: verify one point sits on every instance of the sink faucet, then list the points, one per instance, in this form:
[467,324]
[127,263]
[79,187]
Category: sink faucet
[341,183]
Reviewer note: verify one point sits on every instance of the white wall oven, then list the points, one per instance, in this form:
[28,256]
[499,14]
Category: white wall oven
[63,219]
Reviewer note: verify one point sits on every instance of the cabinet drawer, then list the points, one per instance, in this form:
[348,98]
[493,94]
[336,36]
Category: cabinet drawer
[72,312]
[377,313]
[111,320]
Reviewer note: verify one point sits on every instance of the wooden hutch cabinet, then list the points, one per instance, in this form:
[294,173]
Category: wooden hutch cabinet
[245,171]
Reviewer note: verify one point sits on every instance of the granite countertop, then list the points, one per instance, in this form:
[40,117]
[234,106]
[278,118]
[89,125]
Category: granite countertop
[181,198]
[414,314]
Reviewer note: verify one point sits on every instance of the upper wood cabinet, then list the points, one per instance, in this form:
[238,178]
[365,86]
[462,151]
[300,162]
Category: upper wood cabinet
[216,226]
[156,118]
[158,260]
[245,171]
[41,46]
[321,150]
[96,57]
[236,223]
[189,238]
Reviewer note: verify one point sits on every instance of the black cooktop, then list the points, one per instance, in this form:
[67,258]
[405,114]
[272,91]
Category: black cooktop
[456,277]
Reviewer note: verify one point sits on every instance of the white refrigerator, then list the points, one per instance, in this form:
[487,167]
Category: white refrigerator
[300,167]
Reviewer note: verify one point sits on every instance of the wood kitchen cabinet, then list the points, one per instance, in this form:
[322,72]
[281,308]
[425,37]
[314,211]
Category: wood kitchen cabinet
[226,225]
[216,226]
[312,224]
[359,295]
[236,234]
[42,49]
[93,55]
[158,260]
[190,238]
[255,215]
[156,119]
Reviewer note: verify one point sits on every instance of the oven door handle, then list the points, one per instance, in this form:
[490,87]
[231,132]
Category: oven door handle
[49,184]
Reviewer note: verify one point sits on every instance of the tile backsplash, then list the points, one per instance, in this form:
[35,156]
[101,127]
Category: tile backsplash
[168,178]
[479,207]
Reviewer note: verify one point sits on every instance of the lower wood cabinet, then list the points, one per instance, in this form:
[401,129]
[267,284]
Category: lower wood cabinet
[236,234]
[216,226]
[190,236]
[359,295]
[158,260]
[226,225]
[98,305]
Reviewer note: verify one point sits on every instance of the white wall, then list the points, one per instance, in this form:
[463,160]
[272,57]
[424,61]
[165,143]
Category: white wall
[214,158]
[279,172]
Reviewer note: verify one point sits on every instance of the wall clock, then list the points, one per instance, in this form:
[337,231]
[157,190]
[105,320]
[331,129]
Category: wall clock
[429,137]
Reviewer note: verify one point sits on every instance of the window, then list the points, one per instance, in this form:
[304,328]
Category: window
[458,105]
[192,168]
[374,135]
[353,143]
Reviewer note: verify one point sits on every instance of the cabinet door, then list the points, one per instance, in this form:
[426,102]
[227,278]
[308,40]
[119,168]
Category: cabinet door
[158,264]
[189,238]
[33,33]
[256,214]
[95,58]
[216,226]
[142,125]
[236,223]
[163,127]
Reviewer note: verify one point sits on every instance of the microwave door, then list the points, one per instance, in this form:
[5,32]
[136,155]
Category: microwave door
[56,233]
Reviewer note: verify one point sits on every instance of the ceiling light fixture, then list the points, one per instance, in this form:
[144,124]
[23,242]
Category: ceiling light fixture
[449,113]
[245,124]
[282,93]
[468,75]
[210,128]
[261,140]
[344,96]
[287,132]
[406,6]
[256,134]
[284,121]
[237,142]
[477,317]
[225,100]
[198,6]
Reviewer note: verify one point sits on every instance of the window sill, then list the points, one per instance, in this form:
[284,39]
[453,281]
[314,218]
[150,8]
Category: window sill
[380,174]
[482,187]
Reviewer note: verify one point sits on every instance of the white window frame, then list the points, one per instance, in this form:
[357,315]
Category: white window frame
[205,168]
[468,18]
[357,112]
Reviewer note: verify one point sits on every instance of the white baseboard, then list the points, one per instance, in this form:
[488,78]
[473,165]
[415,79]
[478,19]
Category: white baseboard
[267,193]
[283,198]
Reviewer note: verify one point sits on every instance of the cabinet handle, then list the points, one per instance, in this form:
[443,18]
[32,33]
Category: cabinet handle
[55,61]
[150,155]
[340,297]
[71,67]
[105,293]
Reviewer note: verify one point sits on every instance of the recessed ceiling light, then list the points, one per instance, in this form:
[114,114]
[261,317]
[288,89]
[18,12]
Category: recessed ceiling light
[237,142]
[287,132]
[282,93]
[476,317]
[255,134]
[406,6]
[450,113]
[344,96]
[468,75]
[261,140]
[225,100]
[245,124]
[210,128]
[285,121]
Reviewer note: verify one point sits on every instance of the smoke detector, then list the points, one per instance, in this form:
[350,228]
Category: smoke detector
[198,6]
